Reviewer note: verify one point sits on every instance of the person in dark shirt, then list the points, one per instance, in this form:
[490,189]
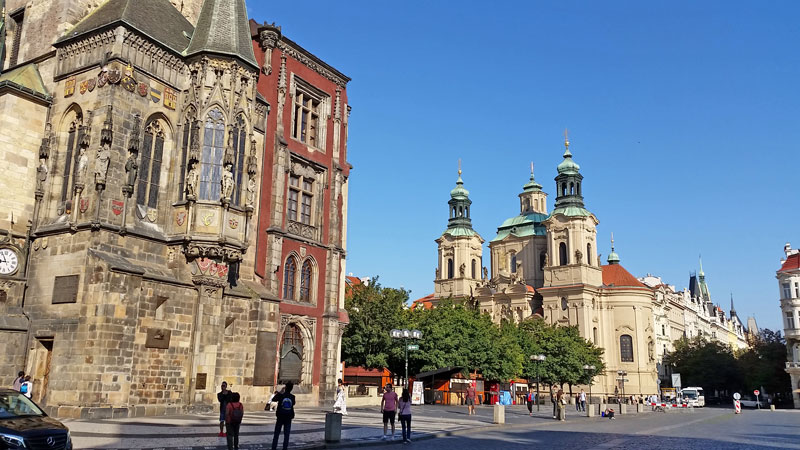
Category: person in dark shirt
[284,413]
[224,397]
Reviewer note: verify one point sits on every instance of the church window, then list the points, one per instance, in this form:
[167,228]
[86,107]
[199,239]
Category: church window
[69,171]
[211,156]
[663,330]
[291,367]
[594,335]
[563,189]
[474,268]
[572,189]
[466,212]
[564,304]
[18,18]
[152,154]
[289,272]
[790,320]
[450,268]
[305,281]
[562,254]
[513,263]
[527,205]
[589,254]
[787,290]
[578,188]
[186,143]
[300,196]
[626,348]
[542,260]
[239,155]
[306,126]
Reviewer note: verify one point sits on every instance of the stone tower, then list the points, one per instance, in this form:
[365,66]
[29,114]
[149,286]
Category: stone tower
[460,249]
[532,199]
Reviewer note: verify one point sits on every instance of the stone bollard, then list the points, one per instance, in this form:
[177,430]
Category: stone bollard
[602,407]
[772,407]
[639,408]
[499,413]
[590,412]
[333,427]
[623,409]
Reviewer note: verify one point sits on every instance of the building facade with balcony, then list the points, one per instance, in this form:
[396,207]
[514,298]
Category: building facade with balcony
[789,287]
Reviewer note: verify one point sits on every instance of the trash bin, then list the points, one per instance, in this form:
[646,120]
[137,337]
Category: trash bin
[333,427]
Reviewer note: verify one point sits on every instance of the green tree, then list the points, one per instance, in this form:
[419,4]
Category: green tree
[711,365]
[762,365]
[374,311]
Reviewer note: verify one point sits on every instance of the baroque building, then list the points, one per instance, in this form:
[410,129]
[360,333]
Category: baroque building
[143,162]
[789,284]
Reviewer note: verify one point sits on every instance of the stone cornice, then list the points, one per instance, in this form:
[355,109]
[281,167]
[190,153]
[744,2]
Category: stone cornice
[312,62]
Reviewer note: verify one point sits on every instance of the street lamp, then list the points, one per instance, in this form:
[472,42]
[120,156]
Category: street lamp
[591,370]
[536,360]
[621,377]
[405,335]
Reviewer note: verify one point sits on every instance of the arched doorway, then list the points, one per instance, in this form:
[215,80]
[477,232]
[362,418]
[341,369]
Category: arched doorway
[291,366]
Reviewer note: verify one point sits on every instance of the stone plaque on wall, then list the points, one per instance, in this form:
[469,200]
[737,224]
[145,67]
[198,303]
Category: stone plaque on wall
[65,289]
[157,338]
[200,384]
[266,348]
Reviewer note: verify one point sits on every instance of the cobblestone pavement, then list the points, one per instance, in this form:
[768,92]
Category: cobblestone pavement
[708,429]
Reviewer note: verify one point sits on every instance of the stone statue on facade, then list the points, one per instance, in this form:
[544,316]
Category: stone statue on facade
[251,191]
[132,169]
[101,164]
[578,256]
[437,273]
[462,269]
[227,182]
[41,174]
[546,260]
[192,178]
[83,166]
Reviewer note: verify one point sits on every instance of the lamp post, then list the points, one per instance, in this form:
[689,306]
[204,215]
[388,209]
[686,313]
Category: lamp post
[621,377]
[405,335]
[591,370]
[536,360]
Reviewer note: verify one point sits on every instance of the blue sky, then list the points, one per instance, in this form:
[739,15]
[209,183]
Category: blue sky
[682,114]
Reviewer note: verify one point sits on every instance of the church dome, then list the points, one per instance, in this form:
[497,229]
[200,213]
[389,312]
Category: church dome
[568,166]
[459,192]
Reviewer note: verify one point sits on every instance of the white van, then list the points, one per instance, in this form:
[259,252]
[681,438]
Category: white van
[693,396]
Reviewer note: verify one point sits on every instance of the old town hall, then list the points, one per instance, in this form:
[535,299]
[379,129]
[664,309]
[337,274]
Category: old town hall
[174,206]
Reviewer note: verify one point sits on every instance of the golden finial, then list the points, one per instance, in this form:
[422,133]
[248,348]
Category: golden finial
[459,166]
[566,138]
[612,241]
[531,168]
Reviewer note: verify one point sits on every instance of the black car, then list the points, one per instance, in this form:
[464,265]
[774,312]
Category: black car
[23,425]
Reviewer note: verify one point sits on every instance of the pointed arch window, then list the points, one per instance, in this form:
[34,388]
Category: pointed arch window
[305,281]
[289,272]
[152,154]
[562,254]
[186,145]
[626,348]
[239,151]
[70,166]
[211,156]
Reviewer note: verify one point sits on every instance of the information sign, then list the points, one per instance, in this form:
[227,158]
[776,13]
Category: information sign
[416,393]
[413,347]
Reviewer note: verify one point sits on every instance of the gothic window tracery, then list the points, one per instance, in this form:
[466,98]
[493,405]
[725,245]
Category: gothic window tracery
[152,155]
[289,272]
[186,142]
[211,156]
[70,166]
[239,153]
[305,281]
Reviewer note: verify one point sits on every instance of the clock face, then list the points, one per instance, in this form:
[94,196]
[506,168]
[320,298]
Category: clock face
[8,261]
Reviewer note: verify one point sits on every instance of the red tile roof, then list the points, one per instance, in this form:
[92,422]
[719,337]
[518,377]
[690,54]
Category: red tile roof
[791,263]
[353,281]
[424,301]
[362,372]
[614,275]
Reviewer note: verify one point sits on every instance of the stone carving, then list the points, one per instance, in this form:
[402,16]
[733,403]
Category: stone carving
[251,192]
[83,165]
[302,170]
[132,169]
[41,175]
[101,164]
[485,273]
[650,350]
[301,229]
[227,183]
[437,273]
[546,260]
[578,256]
[462,269]
[192,178]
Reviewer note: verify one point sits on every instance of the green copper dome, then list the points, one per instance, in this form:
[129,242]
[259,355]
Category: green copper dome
[459,192]
[532,185]
[568,166]
[613,257]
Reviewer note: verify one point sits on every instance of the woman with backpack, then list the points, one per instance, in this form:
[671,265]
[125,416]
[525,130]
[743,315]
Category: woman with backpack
[27,387]
[404,412]
[234,412]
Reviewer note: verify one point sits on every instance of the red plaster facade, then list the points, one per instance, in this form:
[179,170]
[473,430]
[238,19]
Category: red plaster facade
[302,219]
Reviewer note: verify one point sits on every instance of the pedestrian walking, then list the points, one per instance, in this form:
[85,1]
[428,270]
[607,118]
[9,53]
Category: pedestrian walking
[340,405]
[284,413]
[561,399]
[404,413]
[388,409]
[26,388]
[17,384]
[582,398]
[223,397]
[530,399]
[234,412]
[471,394]
[577,402]
[553,401]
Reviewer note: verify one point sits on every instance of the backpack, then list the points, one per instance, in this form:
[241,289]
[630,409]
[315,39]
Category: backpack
[237,413]
[530,396]
[286,404]
[24,388]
